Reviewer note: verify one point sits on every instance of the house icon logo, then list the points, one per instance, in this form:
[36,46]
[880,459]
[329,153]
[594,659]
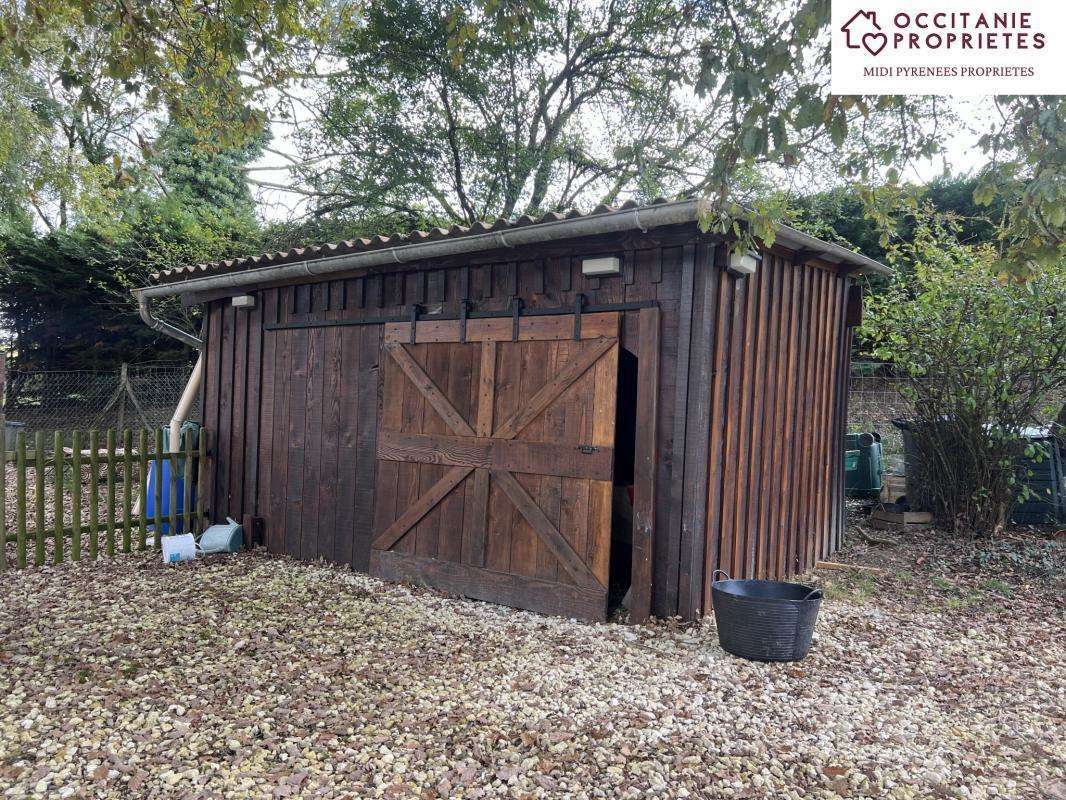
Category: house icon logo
[862,31]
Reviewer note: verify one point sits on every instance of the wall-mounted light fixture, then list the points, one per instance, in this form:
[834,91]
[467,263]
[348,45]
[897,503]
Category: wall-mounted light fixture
[243,301]
[744,263]
[604,265]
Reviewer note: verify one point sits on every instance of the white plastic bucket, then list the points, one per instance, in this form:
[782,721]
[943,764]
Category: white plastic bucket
[178,548]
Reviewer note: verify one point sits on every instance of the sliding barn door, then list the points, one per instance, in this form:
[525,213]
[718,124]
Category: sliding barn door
[495,457]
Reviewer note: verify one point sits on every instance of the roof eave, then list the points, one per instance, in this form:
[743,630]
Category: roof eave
[633,218]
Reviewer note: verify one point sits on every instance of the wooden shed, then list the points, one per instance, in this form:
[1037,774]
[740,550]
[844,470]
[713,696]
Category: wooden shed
[558,414]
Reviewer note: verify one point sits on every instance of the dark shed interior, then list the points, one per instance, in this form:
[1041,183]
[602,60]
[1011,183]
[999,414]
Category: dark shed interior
[499,425]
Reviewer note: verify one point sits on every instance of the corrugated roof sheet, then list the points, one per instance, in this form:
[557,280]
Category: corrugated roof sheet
[380,242]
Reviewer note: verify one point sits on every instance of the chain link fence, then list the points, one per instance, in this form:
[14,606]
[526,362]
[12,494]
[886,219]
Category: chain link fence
[132,396]
[874,400]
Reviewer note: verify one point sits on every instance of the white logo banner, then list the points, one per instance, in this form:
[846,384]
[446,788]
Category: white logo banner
[949,47]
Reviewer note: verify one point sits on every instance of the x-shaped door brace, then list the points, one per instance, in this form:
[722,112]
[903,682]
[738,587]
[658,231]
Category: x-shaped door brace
[505,479]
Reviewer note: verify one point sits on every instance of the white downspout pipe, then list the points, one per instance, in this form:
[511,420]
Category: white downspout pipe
[188,397]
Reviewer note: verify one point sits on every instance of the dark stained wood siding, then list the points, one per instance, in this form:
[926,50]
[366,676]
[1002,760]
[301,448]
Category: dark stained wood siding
[747,477]
[777,421]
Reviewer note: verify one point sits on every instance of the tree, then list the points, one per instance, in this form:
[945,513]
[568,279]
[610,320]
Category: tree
[770,64]
[66,294]
[981,359]
[573,103]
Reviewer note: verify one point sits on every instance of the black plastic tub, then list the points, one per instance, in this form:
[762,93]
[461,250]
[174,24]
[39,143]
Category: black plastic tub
[765,620]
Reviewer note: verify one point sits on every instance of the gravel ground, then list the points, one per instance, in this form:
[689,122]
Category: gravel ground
[251,676]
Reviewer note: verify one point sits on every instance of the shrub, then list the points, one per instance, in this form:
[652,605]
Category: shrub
[980,358]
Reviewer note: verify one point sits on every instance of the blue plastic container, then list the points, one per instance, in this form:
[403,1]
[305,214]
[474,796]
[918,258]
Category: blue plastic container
[163,466]
[164,499]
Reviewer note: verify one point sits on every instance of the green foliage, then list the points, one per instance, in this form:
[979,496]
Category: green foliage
[769,64]
[472,110]
[839,215]
[205,62]
[66,294]
[980,357]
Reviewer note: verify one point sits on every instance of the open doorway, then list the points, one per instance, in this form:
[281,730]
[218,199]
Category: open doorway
[625,429]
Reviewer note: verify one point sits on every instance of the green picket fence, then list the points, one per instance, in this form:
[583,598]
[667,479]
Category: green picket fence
[94,492]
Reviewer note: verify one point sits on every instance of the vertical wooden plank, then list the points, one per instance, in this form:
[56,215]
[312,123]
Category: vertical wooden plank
[367,494]
[252,400]
[753,489]
[437,360]
[349,421]
[797,526]
[142,493]
[172,488]
[127,490]
[781,425]
[269,379]
[226,399]
[186,500]
[462,388]
[391,419]
[730,442]
[38,464]
[3,462]
[279,538]
[94,494]
[697,442]
[743,496]
[334,543]
[20,500]
[502,514]
[213,378]
[832,446]
[75,495]
[811,336]
[157,488]
[605,398]
[677,476]
[110,538]
[817,443]
[550,497]
[647,457]
[201,480]
[476,512]
[314,539]
[486,389]
[58,463]
[239,415]
[825,382]
[294,484]
[719,415]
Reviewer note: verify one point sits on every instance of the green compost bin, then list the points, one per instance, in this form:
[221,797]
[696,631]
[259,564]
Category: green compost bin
[864,464]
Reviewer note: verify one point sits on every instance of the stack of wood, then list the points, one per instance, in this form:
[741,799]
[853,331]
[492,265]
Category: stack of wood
[894,517]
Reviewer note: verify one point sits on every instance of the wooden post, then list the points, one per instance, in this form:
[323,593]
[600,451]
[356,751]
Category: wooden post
[157,489]
[142,528]
[172,488]
[75,495]
[645,466]
[94,493]
[127,490]
[186,504]
[110,542]
[20,500]
[38,485]
[58,462]
[201,479]
[3,464]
